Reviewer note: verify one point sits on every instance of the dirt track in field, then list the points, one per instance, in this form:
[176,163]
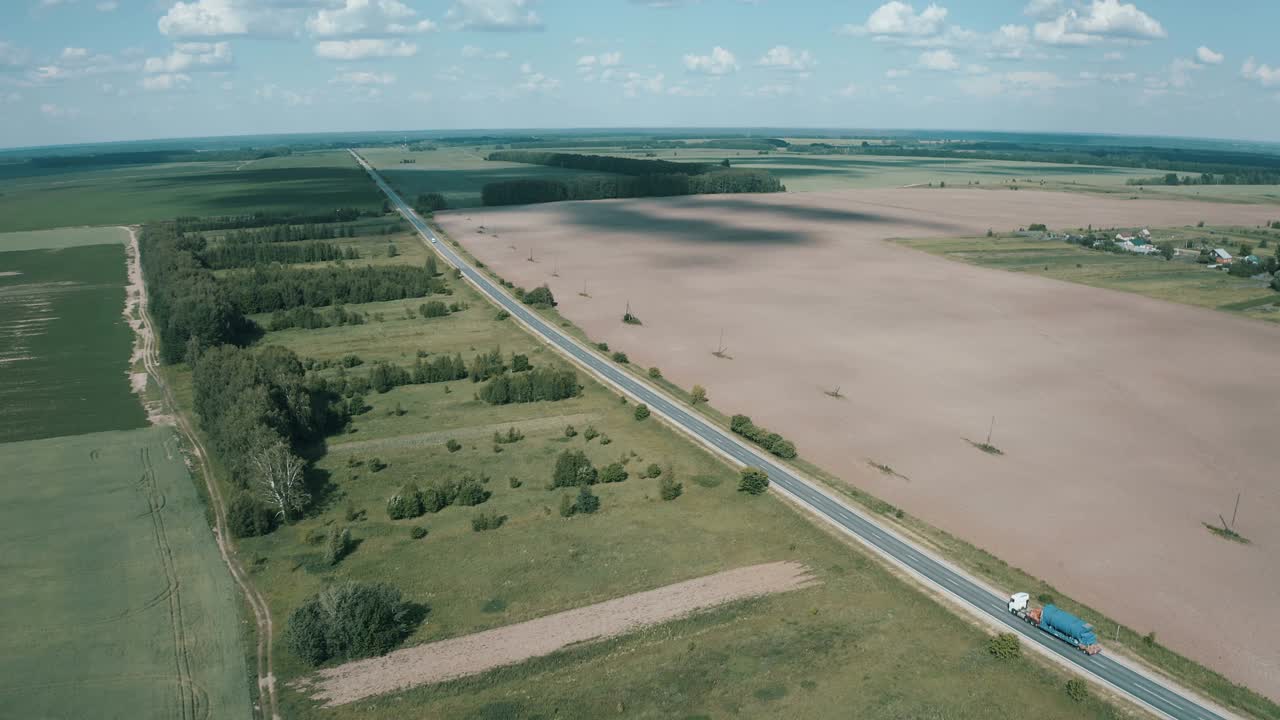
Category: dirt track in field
[471,654]
[1126,422]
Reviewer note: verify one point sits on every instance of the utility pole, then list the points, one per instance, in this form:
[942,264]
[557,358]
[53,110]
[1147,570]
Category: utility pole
[991,429]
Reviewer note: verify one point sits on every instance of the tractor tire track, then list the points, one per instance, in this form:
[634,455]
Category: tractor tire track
[257,603]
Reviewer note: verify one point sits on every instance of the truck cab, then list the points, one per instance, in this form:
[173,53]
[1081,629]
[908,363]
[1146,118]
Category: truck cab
[1018,602]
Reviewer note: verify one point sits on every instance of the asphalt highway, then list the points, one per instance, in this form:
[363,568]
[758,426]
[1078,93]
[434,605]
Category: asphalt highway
[1164,700]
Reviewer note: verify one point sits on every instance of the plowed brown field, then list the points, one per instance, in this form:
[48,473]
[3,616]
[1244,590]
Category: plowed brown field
[1125,422]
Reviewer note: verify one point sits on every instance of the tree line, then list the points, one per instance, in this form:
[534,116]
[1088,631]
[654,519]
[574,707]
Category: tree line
[188,224]
[236,254]
[528,191]
[771,441]
[267,289]
[600,163]
[309,318]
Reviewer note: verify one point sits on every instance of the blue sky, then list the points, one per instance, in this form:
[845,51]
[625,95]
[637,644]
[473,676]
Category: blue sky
[92,70]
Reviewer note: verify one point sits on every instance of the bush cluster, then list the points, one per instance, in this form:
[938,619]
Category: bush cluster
[346,621]
[773,442]
[753,481]
[1005,646]
[532,386]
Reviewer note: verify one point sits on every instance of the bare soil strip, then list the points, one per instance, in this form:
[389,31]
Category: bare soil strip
[476,653]
[418,440]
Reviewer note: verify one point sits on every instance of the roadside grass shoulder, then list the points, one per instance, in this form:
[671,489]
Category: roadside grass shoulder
[967,556]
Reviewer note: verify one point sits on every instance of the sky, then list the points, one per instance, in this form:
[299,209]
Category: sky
[75,71]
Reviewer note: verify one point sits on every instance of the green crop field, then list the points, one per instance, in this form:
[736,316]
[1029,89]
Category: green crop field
[863,643]
[62,238]
[115,601]
[312,182]
[1179,280]
[64,343]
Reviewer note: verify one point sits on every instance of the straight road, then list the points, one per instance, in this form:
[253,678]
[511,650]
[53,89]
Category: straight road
[1165,700]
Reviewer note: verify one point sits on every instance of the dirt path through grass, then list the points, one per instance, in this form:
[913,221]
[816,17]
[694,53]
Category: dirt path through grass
[471,654]
[466,433]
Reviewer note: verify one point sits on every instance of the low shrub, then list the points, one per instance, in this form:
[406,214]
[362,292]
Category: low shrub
[655,373]
[642,411]
[487,521]
[590,433]
[1005,646]
[587,502]
[246,517]
[514,482]
[653,470]
[453,445]
[407,503]
[417,532]
[669,489]
[502,315]
[619,357]
[1077,690]
[612,473]
[337,545]
[753,481]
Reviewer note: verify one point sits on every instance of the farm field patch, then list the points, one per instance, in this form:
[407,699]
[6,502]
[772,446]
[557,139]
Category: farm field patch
[64,343]
[1179,280]
[64,237]
[1109,407]
[111,607]
[844,644]
[304,183]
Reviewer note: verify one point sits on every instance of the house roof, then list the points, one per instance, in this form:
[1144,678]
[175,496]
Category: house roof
[1222,253]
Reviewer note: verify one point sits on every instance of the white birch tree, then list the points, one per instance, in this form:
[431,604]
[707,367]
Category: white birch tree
[278,473]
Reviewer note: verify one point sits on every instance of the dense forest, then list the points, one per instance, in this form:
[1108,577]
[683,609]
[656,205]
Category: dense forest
[271,288]
[261,220]
[600,187]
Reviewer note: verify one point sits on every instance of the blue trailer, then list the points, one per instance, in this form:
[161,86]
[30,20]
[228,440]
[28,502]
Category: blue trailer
[1057,622]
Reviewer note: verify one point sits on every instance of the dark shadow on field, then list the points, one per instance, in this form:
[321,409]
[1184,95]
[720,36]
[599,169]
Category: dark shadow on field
[265,188]
[320,485]
[610,215]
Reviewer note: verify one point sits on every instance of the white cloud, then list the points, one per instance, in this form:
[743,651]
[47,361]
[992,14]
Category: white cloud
[471,51]
[1180,71]
[360,78]
[1208,57]
[1114,78]
[610,59]
[782,57]
[367,17]
[271,93]
[1264,74]
[771,91]
[73,54]
[165,82]
[12,56]
[58,111]
[1021,83]
[191,56]
[892,73]
[1101,19]
[942,60]
[900,18]
[364,48]
[494,15]
[589,63]
[535,82]
[635,83]
[10,98]
[719,62]
[1113,56]
[421,96]
[206,18]
[848,91]
[107,5]
[1010,42]
[1043,9]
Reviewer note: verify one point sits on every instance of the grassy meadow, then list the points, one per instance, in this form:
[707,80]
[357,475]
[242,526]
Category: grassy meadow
[64,343]
[113,604]
[862,643]
[313,182]
[1179,280]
